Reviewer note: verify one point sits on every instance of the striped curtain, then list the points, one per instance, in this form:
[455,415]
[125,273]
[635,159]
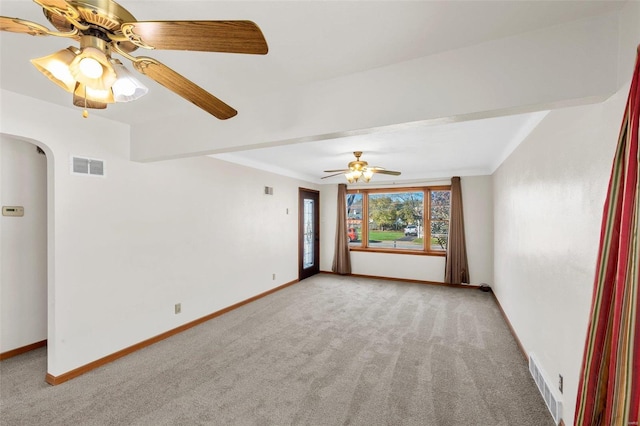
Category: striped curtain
[609,390]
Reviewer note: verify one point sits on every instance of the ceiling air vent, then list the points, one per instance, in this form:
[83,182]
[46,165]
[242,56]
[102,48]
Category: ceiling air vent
[87,166]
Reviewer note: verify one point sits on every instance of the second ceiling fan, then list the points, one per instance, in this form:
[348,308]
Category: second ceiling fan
[360,169]
[103,27]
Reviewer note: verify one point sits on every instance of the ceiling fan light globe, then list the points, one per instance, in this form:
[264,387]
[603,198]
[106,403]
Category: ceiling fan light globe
[126,88]
[367,175]
[100,95]
[127,91]
[350,177]
[60,71]
[56,68]
[95,95]
[90,67]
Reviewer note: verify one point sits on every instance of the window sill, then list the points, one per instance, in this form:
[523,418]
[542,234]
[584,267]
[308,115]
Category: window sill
[391,251]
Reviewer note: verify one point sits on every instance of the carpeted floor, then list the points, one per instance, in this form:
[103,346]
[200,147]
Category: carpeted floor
[330,350]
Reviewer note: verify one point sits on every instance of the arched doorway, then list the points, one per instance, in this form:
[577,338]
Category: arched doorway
[23,239]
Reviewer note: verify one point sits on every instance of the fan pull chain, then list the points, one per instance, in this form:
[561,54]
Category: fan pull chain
[85,113]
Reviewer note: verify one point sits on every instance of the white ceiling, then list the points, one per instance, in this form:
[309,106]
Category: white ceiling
[313,41]
[419,150]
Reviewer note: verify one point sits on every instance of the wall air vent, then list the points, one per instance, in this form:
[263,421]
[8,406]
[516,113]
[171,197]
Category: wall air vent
[554,404]
[268,190]
[87,166]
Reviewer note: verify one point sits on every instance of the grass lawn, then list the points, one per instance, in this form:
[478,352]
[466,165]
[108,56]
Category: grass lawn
[379,236]
[385,235]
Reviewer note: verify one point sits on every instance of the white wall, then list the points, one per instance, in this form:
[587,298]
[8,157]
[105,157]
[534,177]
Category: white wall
[548,201]
[128,246]
[549,196]
[478,215]
[23,276]
[628,39]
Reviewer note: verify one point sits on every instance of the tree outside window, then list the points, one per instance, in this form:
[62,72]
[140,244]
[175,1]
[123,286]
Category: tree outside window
[440,210]
[395,219]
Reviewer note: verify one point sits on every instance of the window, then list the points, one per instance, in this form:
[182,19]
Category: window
[394,220]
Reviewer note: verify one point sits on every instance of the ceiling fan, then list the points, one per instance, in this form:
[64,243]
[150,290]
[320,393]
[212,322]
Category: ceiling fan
[103,27]
[360,169]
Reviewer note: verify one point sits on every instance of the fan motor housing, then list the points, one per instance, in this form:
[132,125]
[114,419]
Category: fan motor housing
[102,16]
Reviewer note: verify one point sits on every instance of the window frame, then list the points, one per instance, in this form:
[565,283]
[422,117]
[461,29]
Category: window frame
[364,238]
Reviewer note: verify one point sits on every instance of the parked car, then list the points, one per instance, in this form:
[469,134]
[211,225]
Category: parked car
[411,230]
[352,234]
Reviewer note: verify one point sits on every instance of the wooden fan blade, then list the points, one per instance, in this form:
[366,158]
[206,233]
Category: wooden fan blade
[183,87]
[60,7]
[335,174]
[387,172]
[334,171]
[16,25]
[203,36]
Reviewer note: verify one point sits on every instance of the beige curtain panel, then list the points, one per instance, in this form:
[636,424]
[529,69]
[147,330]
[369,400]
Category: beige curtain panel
[341,256]
[456,267]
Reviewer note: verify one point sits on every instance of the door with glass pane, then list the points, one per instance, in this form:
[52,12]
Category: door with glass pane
[308,233]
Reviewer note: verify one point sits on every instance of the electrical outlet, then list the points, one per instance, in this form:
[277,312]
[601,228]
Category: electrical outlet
[560,382]
[273,277]
[178,308]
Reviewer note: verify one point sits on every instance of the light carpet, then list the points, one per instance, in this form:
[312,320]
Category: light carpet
[329,350]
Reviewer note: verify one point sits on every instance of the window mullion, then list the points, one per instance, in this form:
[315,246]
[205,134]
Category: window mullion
[365,220]
[426,227]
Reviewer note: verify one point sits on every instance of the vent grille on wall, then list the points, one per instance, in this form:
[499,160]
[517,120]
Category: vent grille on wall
[553,403]
[268,190]
[87,166]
